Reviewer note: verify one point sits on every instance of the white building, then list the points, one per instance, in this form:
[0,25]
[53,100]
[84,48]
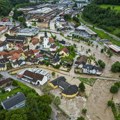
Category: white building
[46,43]
[35,76]
[84,31]
[29,32]
[82,3]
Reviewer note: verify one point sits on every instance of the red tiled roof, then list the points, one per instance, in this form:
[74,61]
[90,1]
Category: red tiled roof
[51,40]
[15,56]
[65,50]
[35,41]
[2,28]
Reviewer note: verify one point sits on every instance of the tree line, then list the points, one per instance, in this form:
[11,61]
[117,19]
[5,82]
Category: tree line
[112,2]
[6,5]
[37,108]
[104,18]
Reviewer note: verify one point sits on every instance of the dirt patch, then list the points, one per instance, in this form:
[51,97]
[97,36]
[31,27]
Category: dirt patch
[97,101]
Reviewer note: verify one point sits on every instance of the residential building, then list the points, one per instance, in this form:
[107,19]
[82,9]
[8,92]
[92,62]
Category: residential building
[64,52]
[3,67]
[14,102]
[3,29]
[16,39]
[5,82]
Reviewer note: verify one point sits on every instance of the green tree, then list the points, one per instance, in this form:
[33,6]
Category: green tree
[5,7]
[114,89]
[84,111]
[110,103]
[81,118]
[101,64]
[82,87]
[67,17]
[57,101]
[115,67]
[53,73]
[22,20]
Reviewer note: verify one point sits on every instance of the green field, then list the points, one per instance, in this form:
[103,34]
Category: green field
[88,81]
[103,35]
[21,88]
[113,7]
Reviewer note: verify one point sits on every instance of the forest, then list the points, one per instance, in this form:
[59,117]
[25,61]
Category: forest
[112,2]
[6,5]
[105,18]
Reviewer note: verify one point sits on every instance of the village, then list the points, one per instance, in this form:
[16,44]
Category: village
[54,55]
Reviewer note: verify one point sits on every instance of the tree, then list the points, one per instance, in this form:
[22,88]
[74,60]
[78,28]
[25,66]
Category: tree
[53,73]
[81,118]
[101,64]
[67,17]
[5,7]
[1,75]
[22,20]
[115,67]
[17,14]
[110,103]
[109,53]
[102,50]
[82,87]
[84,111]
[114,89]
[57,101]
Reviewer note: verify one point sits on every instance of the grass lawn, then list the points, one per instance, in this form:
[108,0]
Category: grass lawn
[103,35]
[113,7]
[21,88]
[88,81]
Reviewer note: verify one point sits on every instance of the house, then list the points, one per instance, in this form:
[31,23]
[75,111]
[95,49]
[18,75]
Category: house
[3,46]
[114,48]
[82,60]
[28,53]
[90,69]
[16,39]
[83,31]
[3,67]
[5,82]
[18,63]
[34,43]
[3,29]
[14,102]
[34,78]
[68,90]
[53,48]
[64,52]
[28,32]
[56,60]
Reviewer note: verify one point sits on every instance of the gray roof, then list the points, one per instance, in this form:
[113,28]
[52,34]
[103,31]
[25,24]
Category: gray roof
[2,65]
[14,100]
